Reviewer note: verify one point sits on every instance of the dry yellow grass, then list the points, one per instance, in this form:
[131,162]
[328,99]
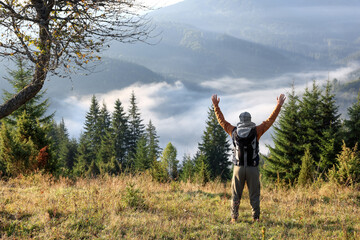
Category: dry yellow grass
[135,207]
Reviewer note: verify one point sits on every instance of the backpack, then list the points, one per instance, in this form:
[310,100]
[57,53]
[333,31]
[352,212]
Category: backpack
[246,148]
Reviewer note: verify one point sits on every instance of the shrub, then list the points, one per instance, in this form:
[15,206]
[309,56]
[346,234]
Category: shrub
[306,172]
[347,171]
[133,198]
[159,172]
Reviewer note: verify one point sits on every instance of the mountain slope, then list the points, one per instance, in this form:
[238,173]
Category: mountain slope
[192,55]
[320,29]
[109,75]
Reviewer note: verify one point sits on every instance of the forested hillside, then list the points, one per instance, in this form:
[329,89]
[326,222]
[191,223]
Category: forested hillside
[322,30]
[346,94]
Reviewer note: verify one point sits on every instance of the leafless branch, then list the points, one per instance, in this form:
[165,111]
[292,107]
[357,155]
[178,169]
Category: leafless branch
[58,34]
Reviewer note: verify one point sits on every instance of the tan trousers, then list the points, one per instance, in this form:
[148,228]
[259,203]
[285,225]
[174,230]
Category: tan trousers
[250,175]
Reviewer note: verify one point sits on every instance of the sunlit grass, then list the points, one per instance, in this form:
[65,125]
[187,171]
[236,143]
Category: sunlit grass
[135,207]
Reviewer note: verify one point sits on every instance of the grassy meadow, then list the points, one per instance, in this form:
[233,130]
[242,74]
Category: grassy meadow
[135,207]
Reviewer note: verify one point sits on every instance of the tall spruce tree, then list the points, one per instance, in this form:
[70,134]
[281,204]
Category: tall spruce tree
[136,128]
[120,129]
[311,121]
[93,126]
[84,156]
[141,158]
[202,169]
[329,109]
[284,159]
[188,169]
[330,137]
[105,159]
[152,142]
[215,147]
[352,125]
[104,123]
[37,107]
[90,141]
[66,147]
[107,149]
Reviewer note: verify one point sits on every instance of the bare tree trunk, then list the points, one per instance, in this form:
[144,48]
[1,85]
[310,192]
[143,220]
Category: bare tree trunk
[53,33]
[20,98]
[41,66]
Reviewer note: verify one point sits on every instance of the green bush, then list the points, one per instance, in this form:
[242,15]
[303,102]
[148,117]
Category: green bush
[133,198]
[347,171]
[306,172]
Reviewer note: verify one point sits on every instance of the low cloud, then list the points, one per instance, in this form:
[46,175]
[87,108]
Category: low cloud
[183,128]
[231,86]
[179,114]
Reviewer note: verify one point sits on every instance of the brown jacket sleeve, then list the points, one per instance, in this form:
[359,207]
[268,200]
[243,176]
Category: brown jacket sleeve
[265,125]
[223,123]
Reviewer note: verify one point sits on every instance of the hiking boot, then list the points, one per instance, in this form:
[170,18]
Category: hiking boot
[233,220]
[256,220]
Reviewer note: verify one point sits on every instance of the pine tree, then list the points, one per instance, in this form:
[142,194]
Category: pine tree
[329,109]
[347,169]
[90,140]
[84,156]
[330,143]
[106,150]
[152,142]
[92,126]
[307,171]
[20,147]
[120,128]
[36,107]
[136,128]
[93,170]
[105,157]
[159,171]
[311,121]
[66,148]
[284,159]
[215,147]
[70,157]
[188,169]
[169,159]
[202,169]
[28,127]
[141,159]
[352,125]
[104,122]
[328,151]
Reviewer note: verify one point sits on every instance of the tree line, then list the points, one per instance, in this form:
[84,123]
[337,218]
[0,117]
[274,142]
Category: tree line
[111,143]
[311,142]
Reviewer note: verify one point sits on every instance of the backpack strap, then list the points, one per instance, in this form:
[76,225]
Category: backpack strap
[234,135]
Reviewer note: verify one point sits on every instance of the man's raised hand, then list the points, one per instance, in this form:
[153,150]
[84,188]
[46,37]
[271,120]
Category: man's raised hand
[281,99]
[215,99]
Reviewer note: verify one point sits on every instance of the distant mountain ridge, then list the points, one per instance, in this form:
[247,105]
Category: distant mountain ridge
[110,74]
[321,29]
[192,55]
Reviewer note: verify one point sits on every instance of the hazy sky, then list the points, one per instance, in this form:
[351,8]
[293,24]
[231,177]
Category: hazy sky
[160,3]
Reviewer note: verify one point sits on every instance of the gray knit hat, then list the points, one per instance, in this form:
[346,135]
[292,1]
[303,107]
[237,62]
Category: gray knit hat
[245,117]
